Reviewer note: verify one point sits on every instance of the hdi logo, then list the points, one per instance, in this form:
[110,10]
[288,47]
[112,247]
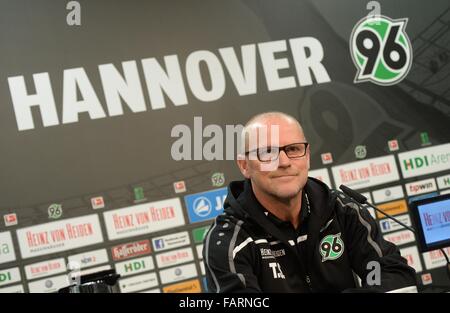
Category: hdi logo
[418,162]
[134,266]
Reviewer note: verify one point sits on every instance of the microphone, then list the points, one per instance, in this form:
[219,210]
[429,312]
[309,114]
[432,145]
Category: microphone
[363,200]
[353,194]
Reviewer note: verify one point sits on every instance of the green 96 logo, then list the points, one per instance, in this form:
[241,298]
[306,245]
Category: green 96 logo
[331,247]
[381,50]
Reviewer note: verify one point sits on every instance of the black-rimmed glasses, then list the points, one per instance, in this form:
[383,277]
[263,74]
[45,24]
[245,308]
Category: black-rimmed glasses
[271,153]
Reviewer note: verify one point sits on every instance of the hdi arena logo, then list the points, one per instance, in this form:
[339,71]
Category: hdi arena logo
[381,50]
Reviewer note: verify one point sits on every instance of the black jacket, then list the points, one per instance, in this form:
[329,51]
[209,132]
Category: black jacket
[248,250]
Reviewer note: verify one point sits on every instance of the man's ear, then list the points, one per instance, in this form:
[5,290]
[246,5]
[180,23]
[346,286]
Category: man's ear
[242,163]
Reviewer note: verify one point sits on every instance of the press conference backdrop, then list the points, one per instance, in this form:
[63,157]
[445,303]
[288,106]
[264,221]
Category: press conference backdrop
[91,93]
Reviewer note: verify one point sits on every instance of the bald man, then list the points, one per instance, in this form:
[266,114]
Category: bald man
[282,231]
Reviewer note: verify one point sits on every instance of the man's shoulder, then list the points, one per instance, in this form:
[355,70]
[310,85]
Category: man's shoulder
[347,207]
[227,235]
[341,198]
[227,227]
[227,224]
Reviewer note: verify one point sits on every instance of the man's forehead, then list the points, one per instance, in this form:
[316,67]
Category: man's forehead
[263,134]
[271,126]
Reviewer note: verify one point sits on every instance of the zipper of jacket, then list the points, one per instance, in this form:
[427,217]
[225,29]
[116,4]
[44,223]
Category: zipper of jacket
[308,277]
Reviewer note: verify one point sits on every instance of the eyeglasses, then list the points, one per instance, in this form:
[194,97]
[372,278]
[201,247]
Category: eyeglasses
[271,153]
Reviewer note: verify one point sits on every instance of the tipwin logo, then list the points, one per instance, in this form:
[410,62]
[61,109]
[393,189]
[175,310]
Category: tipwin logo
[381,50]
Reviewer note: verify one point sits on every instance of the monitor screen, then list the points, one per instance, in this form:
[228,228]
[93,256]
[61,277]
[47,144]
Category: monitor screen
[432,218]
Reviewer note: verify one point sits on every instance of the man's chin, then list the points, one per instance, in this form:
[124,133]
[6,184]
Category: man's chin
[286,194]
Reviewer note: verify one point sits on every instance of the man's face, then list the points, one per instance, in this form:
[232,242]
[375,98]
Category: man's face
[287,176]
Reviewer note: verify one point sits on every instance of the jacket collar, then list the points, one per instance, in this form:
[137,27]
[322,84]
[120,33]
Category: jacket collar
[242,203]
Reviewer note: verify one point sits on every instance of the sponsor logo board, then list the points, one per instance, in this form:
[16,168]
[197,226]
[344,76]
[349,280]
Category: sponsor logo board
[393,208]
[420,187]
[139,282]
[59,236]
[144,218]
[130,250]
[205,205]
[89,258]
[135,266]
[190,286]
[47,285]
[366,173]
[425,161]
[400,237]
[388,194]
[46,268]
[388,225]
[7,253]
[178,273]
[9,276]
[171,241]
[434,259]
[174,257]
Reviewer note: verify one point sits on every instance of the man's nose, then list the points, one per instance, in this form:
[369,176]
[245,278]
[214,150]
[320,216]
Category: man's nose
[283,160]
